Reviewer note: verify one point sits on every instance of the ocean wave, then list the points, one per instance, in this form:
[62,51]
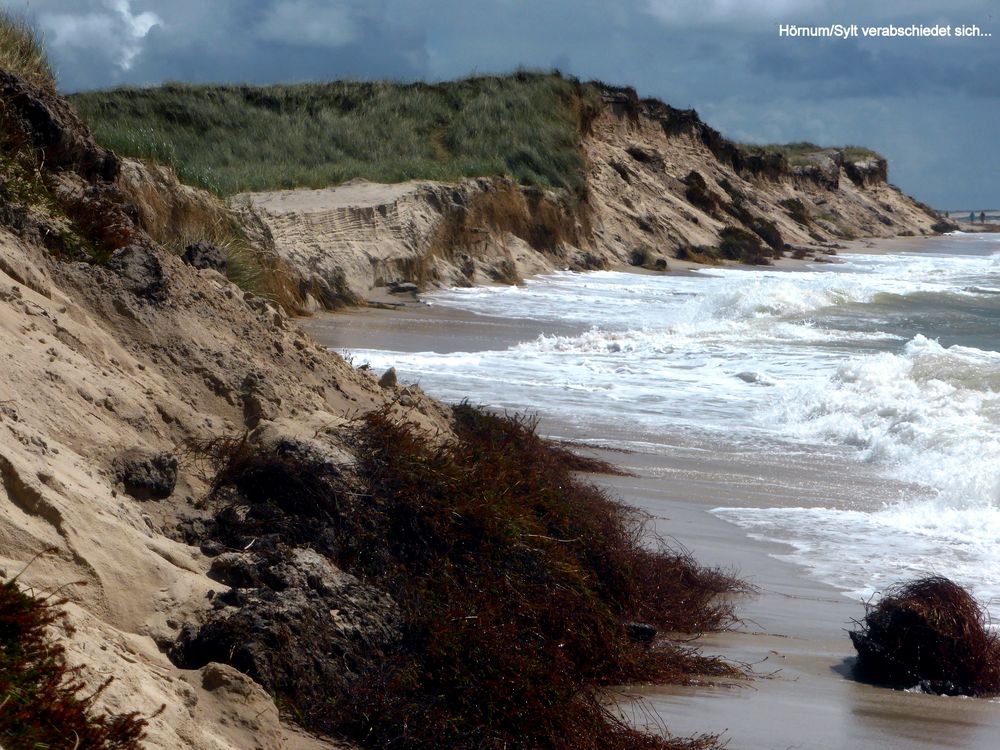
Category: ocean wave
[930,414]
[862,553]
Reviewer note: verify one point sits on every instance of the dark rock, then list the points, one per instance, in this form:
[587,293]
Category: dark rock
[147,475]
[206,255]
[212,548]
[621,169]
[944,225]
[388,380]
[141,272]
[294,622]
[259,399]
[402,287]
[55,130]
[640,632]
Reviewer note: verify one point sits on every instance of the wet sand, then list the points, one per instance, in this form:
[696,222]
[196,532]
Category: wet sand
[795,629]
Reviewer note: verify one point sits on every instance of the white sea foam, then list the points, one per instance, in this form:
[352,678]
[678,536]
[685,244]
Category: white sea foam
[930,414]
[892,359]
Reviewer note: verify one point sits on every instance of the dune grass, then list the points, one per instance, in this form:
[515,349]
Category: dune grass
[798,154]
[22,52]
[233,139]
[517,581]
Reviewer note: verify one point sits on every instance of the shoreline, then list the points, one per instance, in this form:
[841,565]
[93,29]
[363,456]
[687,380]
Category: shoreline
[390,302]
[795,628]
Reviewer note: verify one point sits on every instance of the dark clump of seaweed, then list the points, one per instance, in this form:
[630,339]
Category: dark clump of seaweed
[520,585]
[740,245]
[42,699]
[929,633]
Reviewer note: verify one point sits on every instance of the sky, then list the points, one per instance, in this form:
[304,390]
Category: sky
[929,104]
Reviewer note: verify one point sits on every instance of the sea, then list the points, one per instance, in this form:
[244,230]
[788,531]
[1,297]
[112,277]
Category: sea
[889,363]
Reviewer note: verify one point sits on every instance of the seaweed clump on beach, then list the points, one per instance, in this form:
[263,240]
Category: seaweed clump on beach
[740,245]
[41,704]
[521,589]
[929,633]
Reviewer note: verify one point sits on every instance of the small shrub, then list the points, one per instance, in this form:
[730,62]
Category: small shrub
[768,231]
[41,705]
[22,53]
[796,209]
[640,256]
[699,254]
[698,193]
[930,632]
[740,245]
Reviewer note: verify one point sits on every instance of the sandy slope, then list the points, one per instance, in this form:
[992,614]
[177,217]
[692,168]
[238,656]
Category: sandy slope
[90,370]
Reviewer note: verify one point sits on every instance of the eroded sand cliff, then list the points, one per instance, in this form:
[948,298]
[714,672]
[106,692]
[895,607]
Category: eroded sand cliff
[660,184]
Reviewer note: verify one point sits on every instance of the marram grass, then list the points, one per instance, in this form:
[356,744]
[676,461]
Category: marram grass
[233,139]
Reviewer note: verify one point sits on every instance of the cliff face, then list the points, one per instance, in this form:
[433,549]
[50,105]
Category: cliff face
[662,181]
[341,243]
[660,184]
[116,355]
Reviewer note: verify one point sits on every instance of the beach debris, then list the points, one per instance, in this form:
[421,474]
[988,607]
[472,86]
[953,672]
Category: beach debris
[147,475]
[141,272]
[932,634]
[641,632]
[402,287]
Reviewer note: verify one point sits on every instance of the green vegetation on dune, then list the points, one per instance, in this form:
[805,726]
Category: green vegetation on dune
[233,139]
[21,51]
[798,154]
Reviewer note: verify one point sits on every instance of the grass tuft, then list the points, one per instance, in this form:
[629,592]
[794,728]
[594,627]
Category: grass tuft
[22,52]
[232,139]
[41,700]
[517,582]
[929,633]
[803,153]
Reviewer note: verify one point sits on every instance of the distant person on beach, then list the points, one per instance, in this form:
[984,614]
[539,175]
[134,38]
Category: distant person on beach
[972,217]
[982,217]
[947,214]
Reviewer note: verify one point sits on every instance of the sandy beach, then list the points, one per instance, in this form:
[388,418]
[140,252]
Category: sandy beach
[794,631]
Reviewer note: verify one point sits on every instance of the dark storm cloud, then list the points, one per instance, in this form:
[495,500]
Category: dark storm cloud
[928,104]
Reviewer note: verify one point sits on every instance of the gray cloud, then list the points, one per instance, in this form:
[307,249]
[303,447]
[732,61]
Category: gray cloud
[927,104]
